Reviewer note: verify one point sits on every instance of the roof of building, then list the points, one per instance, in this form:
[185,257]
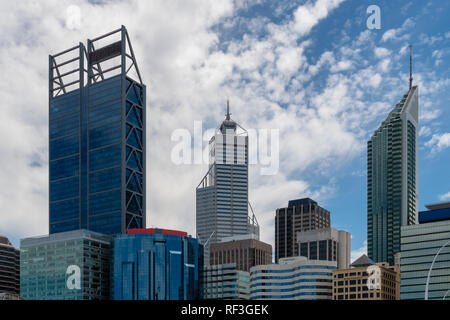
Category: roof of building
[156,231]
[299,202]
[363,261]
[4,240]
[439,205]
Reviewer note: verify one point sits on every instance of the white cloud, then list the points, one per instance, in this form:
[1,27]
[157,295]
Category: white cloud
[309,14]
[355,254]
[399,34]
[341,66]
[381,52]
[437,54]
[424,131]
[438,142]
[445,196]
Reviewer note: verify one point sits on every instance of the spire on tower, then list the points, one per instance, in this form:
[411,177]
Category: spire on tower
[410,67]
[228,110]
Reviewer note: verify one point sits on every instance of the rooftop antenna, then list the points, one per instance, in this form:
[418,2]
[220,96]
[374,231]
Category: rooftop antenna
[228,110]
[410,67]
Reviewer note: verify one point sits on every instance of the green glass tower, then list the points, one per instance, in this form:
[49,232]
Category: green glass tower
[392,178]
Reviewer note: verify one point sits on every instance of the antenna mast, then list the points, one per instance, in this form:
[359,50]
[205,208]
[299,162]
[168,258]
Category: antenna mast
[410,67]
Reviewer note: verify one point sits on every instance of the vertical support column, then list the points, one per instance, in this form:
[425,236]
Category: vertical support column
[50,98]
[84,172]
[123,126]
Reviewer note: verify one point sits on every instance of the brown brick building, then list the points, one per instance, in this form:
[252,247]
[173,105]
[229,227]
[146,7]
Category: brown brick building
[245,251]
[367,280]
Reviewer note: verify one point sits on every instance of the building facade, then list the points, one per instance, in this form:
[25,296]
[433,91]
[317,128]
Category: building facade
[97,137]
[300,215]
[72,265]
[156,264]
[9,267]
[392,178]
[245,251]
[222,195]
[419,246]
[295,278]
[367,280]
[325,244]
[225,282]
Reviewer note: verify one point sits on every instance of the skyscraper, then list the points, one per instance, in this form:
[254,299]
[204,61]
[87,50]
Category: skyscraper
[222,195]
[392,178]
[300,215]
[97,137]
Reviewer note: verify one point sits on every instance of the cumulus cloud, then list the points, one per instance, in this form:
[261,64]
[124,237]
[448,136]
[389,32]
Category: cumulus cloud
[445,196]
[438,142]
[308,15]
[399,34]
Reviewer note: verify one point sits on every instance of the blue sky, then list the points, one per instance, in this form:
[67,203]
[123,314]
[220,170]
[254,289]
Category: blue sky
[310,69]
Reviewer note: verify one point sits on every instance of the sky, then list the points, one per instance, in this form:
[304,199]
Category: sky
[310,69]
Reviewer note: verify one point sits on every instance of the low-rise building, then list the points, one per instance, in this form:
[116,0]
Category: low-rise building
[225,281]
[366,280]
[420,245]
[9,268]
[325,244]
[295,278]
[245,251]
[72,265]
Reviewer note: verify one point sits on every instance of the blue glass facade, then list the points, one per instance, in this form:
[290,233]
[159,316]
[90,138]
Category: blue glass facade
[434,215]
[155,264]
[97,142]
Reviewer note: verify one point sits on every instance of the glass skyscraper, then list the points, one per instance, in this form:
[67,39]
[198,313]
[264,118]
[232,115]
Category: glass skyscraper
[156,264]
[392,178]
[96,137]
[222,195]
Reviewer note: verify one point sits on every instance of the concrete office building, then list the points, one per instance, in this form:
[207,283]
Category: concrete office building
[295,278]
[97,137]
[9,268]
[300,215]
[419,246]
[156,264]
[245,251]
[325,244]
[367,280]
[392,178]
[72,265]
[222,195]
[225,281]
